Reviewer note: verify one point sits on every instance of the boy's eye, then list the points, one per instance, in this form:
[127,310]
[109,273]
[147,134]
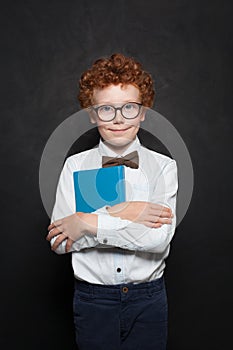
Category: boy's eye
[129,106]
[105,109]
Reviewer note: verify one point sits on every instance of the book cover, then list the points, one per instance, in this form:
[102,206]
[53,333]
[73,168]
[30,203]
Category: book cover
[96,188]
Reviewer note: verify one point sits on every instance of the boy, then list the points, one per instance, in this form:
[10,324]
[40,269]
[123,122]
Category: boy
[118,252]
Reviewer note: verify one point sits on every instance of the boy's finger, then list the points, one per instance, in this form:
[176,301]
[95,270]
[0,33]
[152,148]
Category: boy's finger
[69,244]
[58,241]
[54,224]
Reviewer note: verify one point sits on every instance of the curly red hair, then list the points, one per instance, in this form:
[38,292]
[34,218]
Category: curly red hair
[116,69]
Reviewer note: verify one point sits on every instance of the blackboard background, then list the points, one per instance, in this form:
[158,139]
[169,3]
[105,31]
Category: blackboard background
[187,46]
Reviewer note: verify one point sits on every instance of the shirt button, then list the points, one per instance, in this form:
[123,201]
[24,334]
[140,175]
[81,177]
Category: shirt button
[125,290]
[118,269]
[105,240]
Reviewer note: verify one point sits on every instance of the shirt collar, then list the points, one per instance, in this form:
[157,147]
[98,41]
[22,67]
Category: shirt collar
[106,151]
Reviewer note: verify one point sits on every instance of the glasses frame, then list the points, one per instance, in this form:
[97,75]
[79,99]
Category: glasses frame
[96,109]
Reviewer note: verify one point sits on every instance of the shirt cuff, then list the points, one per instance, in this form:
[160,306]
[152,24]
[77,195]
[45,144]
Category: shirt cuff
[107,229]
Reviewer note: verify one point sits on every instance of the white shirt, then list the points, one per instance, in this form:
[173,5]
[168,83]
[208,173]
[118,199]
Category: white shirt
[122,251]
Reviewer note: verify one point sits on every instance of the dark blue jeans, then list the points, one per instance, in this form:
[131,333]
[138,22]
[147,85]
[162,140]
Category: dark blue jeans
[121,317]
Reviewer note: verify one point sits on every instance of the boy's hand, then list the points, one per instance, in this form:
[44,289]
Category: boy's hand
[67,228]
[146,213]
[71,228]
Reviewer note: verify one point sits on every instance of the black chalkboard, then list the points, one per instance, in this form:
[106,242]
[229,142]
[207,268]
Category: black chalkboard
[187,47]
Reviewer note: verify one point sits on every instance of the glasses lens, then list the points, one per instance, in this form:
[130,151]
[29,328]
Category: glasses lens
[106,112]
[130,110]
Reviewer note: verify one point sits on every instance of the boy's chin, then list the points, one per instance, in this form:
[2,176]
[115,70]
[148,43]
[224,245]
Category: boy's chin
[119,143]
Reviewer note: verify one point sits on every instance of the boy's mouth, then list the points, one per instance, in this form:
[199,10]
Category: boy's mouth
[119,130]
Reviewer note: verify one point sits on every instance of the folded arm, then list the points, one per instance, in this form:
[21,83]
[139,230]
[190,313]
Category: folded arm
[130,225]
[75,227]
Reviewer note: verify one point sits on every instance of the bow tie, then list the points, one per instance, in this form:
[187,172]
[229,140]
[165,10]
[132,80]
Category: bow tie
[131,160]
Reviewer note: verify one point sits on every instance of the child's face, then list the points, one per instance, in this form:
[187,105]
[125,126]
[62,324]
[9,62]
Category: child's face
[119,132]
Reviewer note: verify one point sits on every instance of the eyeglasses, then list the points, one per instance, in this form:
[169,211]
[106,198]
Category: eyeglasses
[129,110]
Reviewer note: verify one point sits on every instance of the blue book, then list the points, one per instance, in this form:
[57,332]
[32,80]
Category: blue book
[96,188]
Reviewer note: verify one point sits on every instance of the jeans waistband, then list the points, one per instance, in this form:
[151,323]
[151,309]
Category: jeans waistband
[87,287]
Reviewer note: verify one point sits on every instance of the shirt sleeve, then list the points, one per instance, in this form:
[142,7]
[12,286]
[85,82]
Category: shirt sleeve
[132,236]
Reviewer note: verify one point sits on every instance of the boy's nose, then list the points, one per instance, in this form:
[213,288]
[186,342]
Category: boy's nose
[119,119]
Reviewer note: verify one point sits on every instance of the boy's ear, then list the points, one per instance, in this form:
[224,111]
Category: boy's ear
[143,114]
[92,115]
